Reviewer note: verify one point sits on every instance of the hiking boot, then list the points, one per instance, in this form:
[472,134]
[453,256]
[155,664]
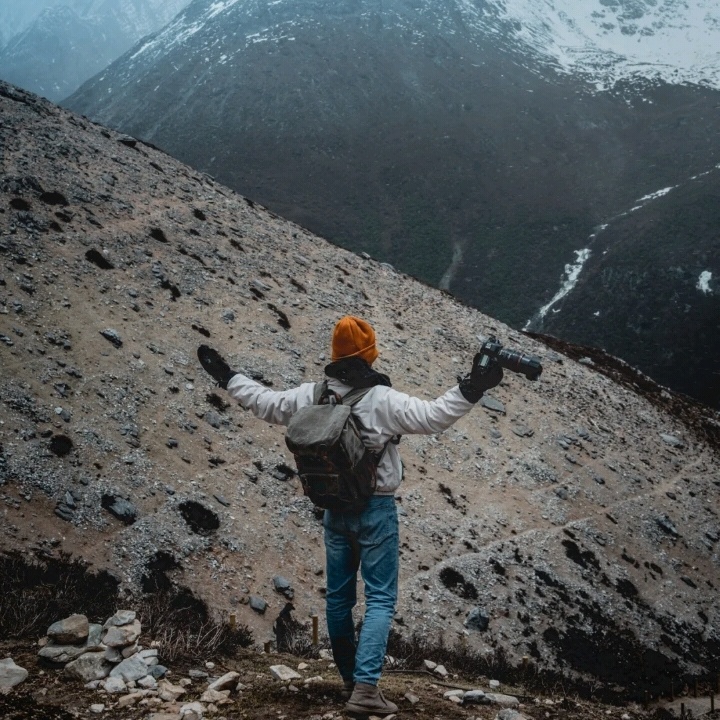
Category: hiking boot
[347,689]
[368,700]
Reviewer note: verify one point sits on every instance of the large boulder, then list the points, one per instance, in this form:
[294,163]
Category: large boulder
[88,667]
[73,630]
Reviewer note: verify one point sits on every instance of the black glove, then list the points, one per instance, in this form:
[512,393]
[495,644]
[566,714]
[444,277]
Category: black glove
[480,379]
[213,364]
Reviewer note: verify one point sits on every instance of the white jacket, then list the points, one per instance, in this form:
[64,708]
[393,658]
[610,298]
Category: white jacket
[382,413]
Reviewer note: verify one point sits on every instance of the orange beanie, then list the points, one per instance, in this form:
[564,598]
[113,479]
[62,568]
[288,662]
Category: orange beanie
[354,337]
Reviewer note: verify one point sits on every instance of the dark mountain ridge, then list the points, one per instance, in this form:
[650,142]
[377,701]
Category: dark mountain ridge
[410,131]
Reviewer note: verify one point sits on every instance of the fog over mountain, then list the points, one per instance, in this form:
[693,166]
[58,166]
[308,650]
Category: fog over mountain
[475,145]
[52,46]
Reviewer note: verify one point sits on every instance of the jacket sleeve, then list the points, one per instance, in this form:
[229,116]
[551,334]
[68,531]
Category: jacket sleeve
[273,406]
[403,414]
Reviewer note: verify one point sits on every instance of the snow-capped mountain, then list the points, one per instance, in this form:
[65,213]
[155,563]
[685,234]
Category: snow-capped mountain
[52,46]
[612,40]
[474,144]
[603,40]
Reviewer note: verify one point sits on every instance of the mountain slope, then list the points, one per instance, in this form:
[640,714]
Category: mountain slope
[66,43]
[436,137]
[577,515]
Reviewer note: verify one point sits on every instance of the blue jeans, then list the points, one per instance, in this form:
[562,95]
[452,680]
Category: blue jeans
[368,541]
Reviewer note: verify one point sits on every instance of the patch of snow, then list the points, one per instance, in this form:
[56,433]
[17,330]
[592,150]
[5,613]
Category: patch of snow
[656,194]
[703,283]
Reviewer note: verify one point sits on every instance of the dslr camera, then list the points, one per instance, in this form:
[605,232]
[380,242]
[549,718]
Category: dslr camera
[518,362]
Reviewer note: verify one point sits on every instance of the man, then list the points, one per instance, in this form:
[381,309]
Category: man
[367,540]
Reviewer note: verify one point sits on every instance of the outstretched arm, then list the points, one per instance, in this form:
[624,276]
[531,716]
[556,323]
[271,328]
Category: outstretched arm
[273,406]
[269,405]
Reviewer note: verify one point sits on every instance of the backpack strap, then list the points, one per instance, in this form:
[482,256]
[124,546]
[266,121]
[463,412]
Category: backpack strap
[354,396]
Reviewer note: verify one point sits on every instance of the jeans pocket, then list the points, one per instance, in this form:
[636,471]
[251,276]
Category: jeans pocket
[379,523]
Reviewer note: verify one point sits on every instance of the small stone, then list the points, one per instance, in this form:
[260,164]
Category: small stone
[131,669]
[284,673]
[169,692]
[129,700]
[477,697]
[411,698]
[158,671]
[148,682]
[113,655]
[258,604]
[130,650]
[494,684]
[122,509]
[453,693]
[441,671]
[11,674]
[672,440]
[113,336]
[120,618]
[491,403]
[115,685]
[509,714]
[150,656]
[189,709]
[215,696]
[122,636]
[477,619]
[429,664]
[504,700]
[225,682]
[97,708]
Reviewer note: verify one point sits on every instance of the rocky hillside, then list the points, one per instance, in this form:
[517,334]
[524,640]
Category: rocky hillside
[572,520]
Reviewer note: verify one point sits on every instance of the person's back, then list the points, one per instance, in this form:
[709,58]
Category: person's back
[367,539]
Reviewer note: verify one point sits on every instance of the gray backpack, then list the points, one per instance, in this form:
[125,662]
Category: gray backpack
[337,471]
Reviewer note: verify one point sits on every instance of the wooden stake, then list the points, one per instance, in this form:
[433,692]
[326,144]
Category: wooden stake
[682,711]
[315,630]
[712,702]
[695,688]
[267,646]
[233,621]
